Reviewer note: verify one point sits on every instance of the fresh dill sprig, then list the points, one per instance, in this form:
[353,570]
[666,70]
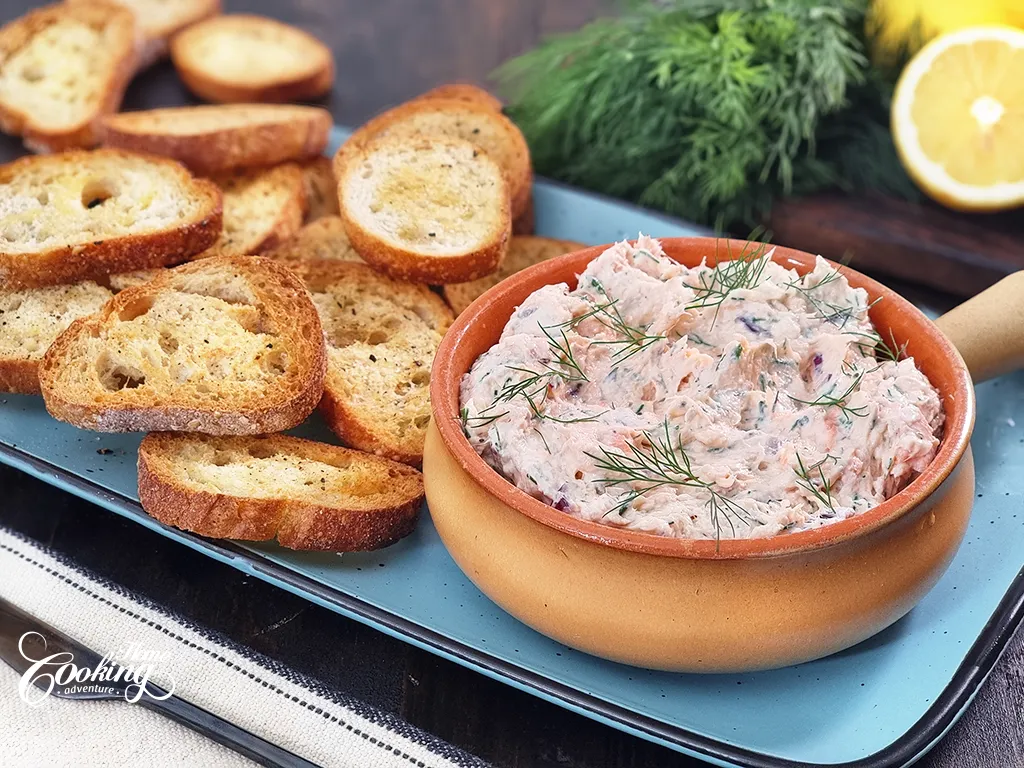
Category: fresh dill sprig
[564,366]
[663,462]
[562,351]
[543,439]
[534,381]
[874,345]
[836,314]
[744,272]
[829,400]
[480,421]
[812,479]
[634,339]
[709,109]
[893,353]
[540,414]
[533,388]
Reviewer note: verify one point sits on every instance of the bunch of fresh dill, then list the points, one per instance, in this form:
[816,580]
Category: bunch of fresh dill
[710,109]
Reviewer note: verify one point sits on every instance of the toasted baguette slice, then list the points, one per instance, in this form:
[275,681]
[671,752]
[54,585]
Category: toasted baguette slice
[321,188]
[62,67]
[124,280]
[322,239]
[430,210]
[226,345]
[31,319]
[488,129]
[239,57]
[523,251]
[215,138]
[262,209]
[306,495]
[381,338]
[159,20]
[525,223]
[464,92]
[81,215]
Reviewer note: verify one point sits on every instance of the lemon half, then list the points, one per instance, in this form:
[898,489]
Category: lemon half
[958,118]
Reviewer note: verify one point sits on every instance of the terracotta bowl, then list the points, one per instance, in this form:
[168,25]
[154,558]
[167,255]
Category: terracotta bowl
[698,605]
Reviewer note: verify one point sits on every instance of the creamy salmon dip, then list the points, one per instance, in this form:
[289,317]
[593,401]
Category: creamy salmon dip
[736,399]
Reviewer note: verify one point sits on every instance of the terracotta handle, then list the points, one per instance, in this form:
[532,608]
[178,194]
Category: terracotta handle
[988,329]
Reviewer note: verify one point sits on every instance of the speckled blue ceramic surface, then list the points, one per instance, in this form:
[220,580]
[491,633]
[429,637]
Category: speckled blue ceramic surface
[836,710]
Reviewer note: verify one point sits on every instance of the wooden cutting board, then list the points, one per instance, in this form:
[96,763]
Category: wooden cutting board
[924,244]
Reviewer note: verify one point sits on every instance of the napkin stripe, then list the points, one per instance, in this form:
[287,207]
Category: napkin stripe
[386,720]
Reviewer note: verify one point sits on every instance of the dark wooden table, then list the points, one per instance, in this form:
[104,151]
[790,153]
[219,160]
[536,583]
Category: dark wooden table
[389,50]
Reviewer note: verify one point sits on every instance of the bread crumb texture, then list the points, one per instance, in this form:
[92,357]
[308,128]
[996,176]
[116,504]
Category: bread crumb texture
[236,55]
[84,197]
[382,335]
[58,63]
[230,345]
[31,319]
[324,238]
[262,207]
[260,469]
[437,198]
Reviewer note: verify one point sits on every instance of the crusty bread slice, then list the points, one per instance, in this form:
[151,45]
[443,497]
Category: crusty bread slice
[226,345]
[124,280]
[523,251]
[464,92]
[431,210]
[478,123]
[62,67]
[381,338]
[239,57]
[30,319]
[158,20]
[306,495]
[262,208]
[215,138]
[321,239]
[321,188]
[81,215]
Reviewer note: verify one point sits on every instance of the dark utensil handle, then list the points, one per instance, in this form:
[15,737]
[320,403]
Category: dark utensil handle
[223,732]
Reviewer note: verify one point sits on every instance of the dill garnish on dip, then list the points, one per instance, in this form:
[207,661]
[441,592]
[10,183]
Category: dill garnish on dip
[738,400]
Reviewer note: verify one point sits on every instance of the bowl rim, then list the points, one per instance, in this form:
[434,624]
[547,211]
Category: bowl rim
[958,404]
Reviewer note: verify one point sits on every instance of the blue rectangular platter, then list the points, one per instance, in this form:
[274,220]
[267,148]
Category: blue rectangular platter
[884,702]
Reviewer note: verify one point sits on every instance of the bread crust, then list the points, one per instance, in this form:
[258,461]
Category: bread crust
[351,428]
[322,238]
[301,133]
[19,376]
[464,92]
[519,176]
[295,524]
[208,85]
[153,41]
[287,224]
[406,263]
[127,253]
[321,188]
[271,412]
[460,295]
[87,133]
[409,265]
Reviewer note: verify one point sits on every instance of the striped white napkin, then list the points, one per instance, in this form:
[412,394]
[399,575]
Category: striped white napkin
[253,692]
